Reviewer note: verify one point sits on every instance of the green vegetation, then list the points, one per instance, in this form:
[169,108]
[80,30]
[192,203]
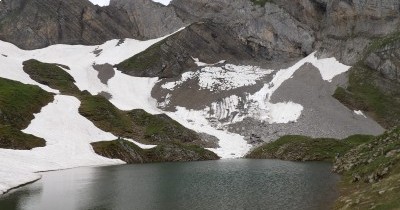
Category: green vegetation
[18,104]
[371,174]
[381,43]
[12,138]
[260,2]
[178,152]
[142,61]
[51,75]
[161,128]
[105,115]
[171,152]
[369,91]
[135,124]
[302,148]
[120,149]
[364,93]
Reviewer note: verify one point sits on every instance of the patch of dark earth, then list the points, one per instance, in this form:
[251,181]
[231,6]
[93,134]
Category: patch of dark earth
[97,52]
[106,95]
[105,72]
[121,41]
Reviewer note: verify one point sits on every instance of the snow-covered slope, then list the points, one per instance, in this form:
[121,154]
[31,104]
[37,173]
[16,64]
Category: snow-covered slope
[68,134]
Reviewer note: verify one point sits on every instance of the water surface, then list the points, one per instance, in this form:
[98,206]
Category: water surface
[225,184]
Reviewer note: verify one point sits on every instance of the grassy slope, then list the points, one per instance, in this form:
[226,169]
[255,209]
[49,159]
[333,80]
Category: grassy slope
[161,128]
[105,115]
[171,152]
[13,138]
[51,75]
[370,92]
[364,94]
[142,61]
[18,104]
[302,148]
[371,174]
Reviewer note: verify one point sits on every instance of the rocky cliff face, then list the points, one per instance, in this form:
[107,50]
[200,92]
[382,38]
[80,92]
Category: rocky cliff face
[281,29]
[38,23]
[270,30]
[32,24]
[350,26]
[153,20]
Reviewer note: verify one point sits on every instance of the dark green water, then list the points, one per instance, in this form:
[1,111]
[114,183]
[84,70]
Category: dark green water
[227,184]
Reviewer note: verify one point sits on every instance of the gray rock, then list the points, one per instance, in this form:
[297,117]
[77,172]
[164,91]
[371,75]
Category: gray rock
[153,20]
[373,61]
[388,70]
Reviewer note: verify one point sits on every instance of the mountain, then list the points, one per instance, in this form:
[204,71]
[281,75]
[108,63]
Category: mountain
[32,24]
[137,81]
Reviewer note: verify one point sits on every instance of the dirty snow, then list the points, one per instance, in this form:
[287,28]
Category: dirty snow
[227,77]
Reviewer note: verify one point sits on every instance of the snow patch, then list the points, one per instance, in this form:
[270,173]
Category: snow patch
[285,112]
[164,2]
[359,112]
[231,145]
[329,67]
[100,2]
[199,63]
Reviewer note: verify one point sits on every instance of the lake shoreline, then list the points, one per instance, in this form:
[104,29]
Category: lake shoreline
[202,175]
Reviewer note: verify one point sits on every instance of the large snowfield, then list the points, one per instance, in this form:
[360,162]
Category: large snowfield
[68,134]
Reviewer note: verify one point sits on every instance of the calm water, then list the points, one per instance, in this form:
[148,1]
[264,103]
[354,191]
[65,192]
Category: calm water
[230,184]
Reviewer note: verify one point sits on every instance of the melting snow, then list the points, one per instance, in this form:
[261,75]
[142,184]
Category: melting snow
[226,77]
[231,145]
[68,134]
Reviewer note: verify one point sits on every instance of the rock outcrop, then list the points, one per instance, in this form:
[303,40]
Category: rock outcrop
[279,30]
[269,30]
[32,24]
[152,19]
[350,26]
